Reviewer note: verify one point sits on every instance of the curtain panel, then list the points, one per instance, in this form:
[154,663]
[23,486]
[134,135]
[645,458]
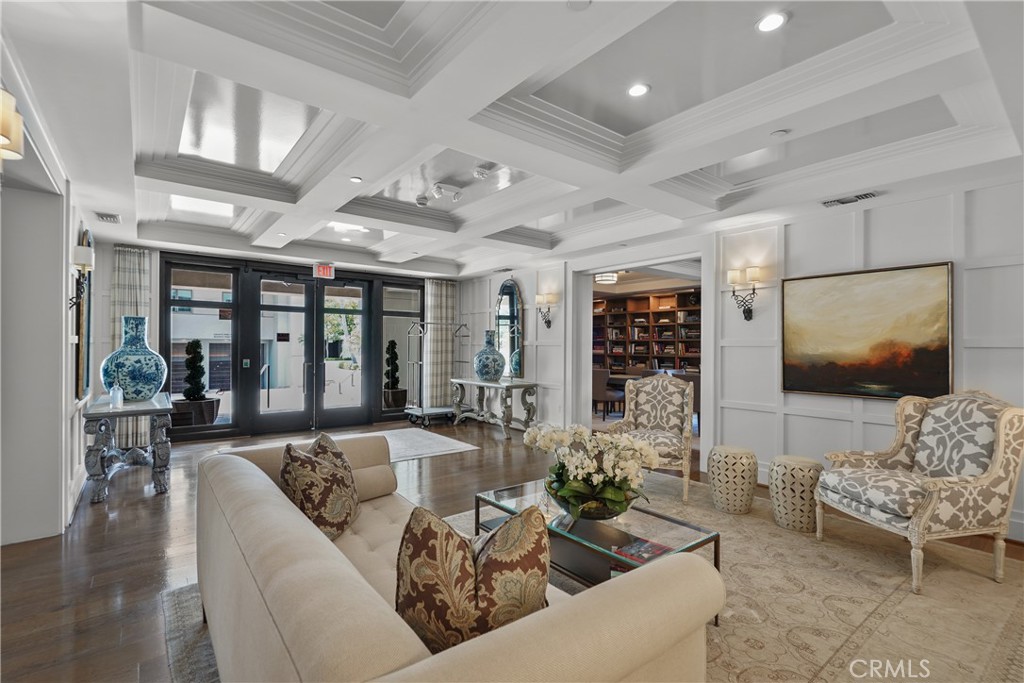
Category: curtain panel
[438,343]
[130,295]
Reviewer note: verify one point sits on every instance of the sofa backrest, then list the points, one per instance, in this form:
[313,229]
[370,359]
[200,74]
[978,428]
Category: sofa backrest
[367,453]
[282,602]
[958,435]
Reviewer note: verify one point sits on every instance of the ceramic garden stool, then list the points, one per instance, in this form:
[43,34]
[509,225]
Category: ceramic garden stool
[733,475]
[791,483]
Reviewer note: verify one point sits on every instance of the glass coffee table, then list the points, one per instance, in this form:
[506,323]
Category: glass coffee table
[591,551]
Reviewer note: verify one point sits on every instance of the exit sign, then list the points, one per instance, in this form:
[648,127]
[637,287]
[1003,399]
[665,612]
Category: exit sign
[324,270]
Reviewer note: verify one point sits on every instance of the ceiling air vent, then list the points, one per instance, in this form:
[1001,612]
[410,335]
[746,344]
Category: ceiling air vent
[108,217]
[849,200]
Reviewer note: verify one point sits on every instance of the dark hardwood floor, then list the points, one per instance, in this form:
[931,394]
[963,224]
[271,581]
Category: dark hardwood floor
[85,606]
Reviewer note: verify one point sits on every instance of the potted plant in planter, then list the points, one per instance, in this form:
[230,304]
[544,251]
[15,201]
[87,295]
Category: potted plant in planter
[202,410]
[393,396]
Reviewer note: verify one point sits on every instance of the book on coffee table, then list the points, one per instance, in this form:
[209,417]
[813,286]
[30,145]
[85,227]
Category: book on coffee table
[641,551]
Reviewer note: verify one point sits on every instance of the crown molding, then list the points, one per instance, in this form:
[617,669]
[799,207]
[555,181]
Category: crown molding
[553,128]
[400,213]
[219,182]
[526,239]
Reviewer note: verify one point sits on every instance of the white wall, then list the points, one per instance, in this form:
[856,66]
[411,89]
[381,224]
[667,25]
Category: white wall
[978,228]
[543,348]
[35,381]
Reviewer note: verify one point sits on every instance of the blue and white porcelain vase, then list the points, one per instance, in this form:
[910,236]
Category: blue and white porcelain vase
[488,363]
[138,369]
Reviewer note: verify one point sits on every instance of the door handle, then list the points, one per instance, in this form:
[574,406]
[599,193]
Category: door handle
[306,367]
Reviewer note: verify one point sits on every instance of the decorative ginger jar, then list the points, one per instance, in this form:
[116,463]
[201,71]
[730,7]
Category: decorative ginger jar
[488,363]
[136,368]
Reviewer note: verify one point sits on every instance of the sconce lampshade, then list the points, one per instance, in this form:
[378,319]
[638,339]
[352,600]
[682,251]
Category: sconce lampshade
[548,299]
[84,258]
[753,274]
[734,277]
[12,131]
[606,278]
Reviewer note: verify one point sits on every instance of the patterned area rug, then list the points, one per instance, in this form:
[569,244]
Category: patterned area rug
[800,610]
[189,651]
[413,442]
[797,609]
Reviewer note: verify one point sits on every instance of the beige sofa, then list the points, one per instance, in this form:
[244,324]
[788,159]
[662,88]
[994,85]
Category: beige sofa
[284,603]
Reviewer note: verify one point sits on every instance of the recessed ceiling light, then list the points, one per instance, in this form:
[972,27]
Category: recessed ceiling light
[780,133]
[346,239]
[282,234]
[639,89]
[355,179]
[772,21]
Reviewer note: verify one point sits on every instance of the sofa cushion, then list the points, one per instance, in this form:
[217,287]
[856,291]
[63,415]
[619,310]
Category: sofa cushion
[958,434]
[893,492]
[452,589]
[324,490]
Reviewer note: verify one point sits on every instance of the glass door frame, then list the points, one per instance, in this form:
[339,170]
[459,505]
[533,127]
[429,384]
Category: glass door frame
[244,421]
[342,416]
[167,303]
[252,348]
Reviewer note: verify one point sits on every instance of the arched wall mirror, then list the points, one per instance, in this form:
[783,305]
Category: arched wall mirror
[508,327]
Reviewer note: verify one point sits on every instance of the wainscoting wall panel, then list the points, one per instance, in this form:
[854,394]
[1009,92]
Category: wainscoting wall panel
[977,227]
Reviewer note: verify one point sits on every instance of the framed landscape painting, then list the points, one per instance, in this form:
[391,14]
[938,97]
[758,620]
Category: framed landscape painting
[874,333]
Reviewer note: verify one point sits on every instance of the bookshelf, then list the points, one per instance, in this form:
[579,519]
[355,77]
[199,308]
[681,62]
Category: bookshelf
[659,330]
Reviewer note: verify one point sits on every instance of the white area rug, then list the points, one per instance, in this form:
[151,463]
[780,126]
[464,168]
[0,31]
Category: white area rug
[413,442]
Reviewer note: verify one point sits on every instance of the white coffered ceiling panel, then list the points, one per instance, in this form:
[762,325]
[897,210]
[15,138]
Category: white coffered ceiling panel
[693,52]
[246,128]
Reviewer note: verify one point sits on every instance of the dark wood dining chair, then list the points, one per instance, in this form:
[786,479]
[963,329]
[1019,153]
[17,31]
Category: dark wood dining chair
[604,395]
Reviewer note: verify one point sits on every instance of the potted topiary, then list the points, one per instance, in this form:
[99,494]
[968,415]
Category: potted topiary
[393,396]
[201,410]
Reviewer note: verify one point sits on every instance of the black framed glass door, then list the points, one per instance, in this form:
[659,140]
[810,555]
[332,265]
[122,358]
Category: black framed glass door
[280,354]
[305,358]
[342,393]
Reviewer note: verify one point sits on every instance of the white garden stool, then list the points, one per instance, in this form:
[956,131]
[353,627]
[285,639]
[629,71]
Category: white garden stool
[733,475]
[791,483]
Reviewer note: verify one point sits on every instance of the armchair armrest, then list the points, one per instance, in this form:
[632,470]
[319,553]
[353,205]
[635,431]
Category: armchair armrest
[863,459]
[621,427]
[656,612]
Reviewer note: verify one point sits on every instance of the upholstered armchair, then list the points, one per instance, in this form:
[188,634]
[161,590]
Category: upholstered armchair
[951,471]
[659,410]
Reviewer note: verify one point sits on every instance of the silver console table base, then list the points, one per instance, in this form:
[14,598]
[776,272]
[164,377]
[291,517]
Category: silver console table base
[103,459]
[465,411]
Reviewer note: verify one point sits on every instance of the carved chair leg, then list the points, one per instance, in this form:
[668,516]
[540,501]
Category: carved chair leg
[998,555]
[916,566]
[686,486]
[819,520]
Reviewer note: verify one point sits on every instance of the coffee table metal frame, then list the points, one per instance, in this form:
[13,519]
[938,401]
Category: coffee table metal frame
[710,537]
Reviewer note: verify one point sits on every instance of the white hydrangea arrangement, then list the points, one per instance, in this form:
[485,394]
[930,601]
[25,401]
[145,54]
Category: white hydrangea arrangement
[595,474]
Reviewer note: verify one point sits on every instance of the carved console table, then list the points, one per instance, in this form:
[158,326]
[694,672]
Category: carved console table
[505,388]
[103,459]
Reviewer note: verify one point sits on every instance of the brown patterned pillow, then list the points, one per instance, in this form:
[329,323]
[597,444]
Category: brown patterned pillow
[324,490]
[452,589]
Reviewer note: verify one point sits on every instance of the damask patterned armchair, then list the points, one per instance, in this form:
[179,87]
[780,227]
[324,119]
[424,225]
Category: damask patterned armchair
[659,410]
[951,471]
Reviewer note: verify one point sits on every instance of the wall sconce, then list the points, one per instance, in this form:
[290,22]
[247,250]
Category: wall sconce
[745,302]
[545,314]
[12,131]
[84,260]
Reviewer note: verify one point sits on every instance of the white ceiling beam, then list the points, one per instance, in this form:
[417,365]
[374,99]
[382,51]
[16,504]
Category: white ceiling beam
[199,239]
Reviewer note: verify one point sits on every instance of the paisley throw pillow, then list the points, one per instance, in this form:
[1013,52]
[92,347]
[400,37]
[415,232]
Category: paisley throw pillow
[452,589]
[322,487]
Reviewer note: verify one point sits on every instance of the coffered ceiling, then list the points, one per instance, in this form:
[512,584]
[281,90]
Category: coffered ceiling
[455,138]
